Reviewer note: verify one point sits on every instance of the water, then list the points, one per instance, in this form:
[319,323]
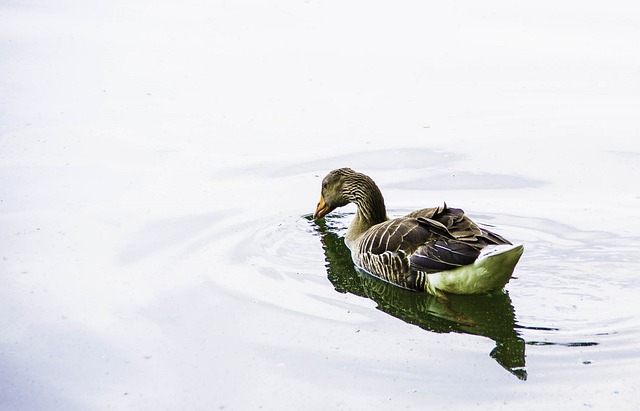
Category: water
[156,182]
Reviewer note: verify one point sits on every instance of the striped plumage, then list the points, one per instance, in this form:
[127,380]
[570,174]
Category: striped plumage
[434,249]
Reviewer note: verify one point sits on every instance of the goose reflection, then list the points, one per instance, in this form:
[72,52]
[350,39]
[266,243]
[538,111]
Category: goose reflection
[491,316]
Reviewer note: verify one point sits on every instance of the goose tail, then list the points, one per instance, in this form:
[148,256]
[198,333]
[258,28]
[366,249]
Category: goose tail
[499,261]
[491,271]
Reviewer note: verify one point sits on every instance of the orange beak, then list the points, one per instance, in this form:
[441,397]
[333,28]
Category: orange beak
[322,209]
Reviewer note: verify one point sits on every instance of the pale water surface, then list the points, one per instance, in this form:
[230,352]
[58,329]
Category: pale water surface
[159,163]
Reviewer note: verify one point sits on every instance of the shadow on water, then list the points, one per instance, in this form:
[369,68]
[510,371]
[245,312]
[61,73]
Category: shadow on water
[491,316]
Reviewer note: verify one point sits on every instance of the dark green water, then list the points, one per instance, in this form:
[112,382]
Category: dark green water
[491,316]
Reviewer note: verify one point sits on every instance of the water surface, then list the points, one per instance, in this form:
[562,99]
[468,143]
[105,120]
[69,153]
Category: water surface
[159,162]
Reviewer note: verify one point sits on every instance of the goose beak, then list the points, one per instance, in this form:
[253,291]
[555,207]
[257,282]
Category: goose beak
[322,209]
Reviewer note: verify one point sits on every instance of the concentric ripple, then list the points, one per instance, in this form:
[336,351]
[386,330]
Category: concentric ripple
[558,298]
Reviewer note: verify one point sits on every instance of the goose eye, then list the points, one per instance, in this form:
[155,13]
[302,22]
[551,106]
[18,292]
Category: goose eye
[324,185]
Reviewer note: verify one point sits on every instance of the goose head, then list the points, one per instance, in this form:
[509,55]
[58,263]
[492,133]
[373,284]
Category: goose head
[334,193]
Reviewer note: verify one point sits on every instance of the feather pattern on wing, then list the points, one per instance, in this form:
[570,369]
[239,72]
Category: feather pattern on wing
[425,241]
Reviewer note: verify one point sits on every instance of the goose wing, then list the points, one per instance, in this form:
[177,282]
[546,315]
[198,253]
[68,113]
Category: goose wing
[458,243]
[443,254]
[459,225]
[434,239]
[456,222]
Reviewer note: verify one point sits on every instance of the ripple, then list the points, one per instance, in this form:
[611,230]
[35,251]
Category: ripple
[565,294]
[287,269]
[573,286]
[385,159]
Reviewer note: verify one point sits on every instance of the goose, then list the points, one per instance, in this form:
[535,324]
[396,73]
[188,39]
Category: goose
[437,250]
